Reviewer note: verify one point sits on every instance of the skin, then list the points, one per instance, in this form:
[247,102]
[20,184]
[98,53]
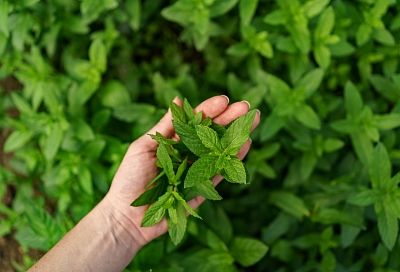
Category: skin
[109,236]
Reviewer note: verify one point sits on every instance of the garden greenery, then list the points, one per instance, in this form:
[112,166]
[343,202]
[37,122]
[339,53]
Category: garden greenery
[80,80]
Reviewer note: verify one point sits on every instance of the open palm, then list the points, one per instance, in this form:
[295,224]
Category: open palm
[138,166]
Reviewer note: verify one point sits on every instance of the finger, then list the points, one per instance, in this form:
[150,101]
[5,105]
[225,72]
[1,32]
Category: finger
[233,111]
[244,150]
[213,106]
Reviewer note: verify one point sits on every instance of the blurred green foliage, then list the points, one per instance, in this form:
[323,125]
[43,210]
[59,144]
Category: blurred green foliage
[94,75]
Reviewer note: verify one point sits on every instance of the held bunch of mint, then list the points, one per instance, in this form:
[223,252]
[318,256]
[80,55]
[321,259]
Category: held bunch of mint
[187,166]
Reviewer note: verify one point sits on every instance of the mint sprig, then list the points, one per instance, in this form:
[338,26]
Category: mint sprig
[187,167]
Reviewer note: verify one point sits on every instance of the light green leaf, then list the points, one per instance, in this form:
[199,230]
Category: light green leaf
[177,230]
[98,55]
[277,17]
[325,23]
[314,7]
[238,133]
[16,140]
[4,10]
[289,203]
[220,7]
[332,144]
[202,169]
[207,190]
[307,116]
[188,109]
[189,137]
[322,55]
[387,121]
[247,8]
[380,168]
[311,81]
[156,211]
[185,205]
[85,180]
[166,162]
[247,251]
[177,113]
[209,138]
[234,171]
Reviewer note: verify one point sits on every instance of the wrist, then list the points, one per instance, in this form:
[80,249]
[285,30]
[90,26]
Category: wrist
[120,225]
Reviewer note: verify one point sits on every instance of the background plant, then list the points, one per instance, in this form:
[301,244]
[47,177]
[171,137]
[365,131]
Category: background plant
[82,79]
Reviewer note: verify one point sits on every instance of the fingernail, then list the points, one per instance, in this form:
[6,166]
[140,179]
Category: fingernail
[227,98]
[250,140]
[258,112]
[247,102]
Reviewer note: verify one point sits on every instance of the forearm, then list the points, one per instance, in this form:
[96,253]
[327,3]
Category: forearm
[104,240]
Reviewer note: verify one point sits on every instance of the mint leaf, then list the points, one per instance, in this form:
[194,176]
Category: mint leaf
[156,211]
[200,170]
[177,113]
[247,251]
[181,169]
[206,189]
[289,203]
[234,171]
[166,162]
[363,198]
[387,225]
[209,138]
[150,195]
[190,139]
[380,167]
[188,109]
[238,133]
[185,205]
[176,230]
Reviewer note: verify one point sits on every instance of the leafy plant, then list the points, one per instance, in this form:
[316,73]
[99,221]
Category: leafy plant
[80,80]
[203,155]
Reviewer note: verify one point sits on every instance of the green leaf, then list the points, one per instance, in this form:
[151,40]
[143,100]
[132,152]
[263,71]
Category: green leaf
[353,100]
[177,113]
[52,141]
[150,196]
[188,109]
[155,213]
[363,34]
[388,226]
[85,180]
[182,167]
[98,55]
[326,23]
[114,95]
[332,144]
[289,203]
[277,17]
[209,138]
[177,230]
[311,81]
[220,7]
[247,251]
[380,168]
[189,137]
[166,162]
[322,55]
[185,205]
[247,8]
[238,133]
[206,189]
[4,10]
[363,198]
[387,121]
[307,116]
[314,7]
[16,140]
[133,7]
[202,169]
[383,36]
[234,171]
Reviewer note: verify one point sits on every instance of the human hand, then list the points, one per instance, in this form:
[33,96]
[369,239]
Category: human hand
[138,167]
